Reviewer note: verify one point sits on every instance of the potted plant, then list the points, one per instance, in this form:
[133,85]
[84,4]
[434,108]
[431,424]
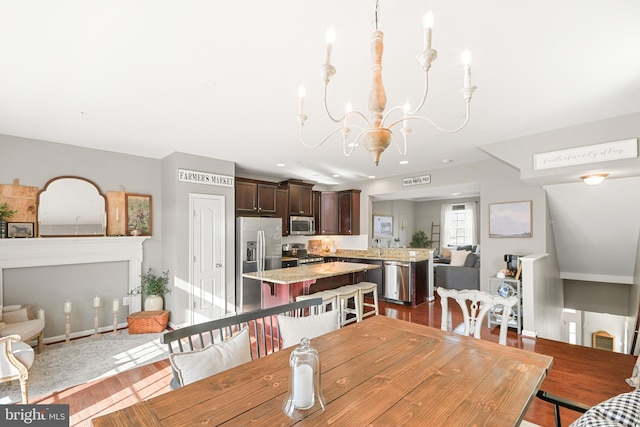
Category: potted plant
[5,214]
[153,287]
[420,240]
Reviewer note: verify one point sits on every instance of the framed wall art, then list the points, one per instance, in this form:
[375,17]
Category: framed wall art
[510,219]
[20,229]
[382,226]
[138,211]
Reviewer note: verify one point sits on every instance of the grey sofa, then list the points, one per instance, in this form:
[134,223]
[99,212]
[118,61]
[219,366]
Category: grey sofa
[459,277]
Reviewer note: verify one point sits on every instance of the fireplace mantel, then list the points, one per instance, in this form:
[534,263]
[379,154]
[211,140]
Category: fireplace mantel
[38,252]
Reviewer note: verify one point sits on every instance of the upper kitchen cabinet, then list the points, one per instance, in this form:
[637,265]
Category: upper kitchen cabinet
[300,197]
[327,220]
[255,197]
[349,212]
[282,209]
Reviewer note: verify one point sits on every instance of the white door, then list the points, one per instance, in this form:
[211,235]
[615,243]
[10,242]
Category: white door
[207,250]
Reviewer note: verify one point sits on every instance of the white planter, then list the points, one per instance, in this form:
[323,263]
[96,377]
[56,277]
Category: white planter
[153,303]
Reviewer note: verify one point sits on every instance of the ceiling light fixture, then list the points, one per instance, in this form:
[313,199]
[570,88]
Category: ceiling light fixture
[594,179]
[377,136]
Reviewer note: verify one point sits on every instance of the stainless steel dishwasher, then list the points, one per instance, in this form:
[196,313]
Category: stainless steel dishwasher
[397,281]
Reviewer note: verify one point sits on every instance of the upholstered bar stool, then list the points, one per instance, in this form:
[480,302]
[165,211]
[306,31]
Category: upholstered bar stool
[343,295]
[368,288]
[329,301]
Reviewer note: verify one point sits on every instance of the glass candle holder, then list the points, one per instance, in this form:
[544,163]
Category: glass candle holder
[305,397]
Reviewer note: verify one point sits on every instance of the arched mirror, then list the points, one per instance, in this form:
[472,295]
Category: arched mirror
[71,206]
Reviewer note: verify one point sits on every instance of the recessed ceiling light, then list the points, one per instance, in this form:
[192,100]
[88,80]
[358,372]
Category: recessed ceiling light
[404,162]
[281,165]
[335,175]
[371,176]
[455,194]
[446,161]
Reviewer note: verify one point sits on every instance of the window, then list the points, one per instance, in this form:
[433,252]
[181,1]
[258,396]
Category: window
[458,222]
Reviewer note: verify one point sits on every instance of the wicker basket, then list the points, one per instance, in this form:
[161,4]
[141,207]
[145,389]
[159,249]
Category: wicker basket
[146,322]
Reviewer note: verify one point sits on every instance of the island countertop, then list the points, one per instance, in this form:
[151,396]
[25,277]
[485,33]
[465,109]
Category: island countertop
[287,276]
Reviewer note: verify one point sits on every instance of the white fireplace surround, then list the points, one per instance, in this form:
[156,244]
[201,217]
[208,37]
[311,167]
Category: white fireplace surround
[39,252]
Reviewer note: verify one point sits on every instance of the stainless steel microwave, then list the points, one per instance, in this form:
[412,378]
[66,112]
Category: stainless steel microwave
[302,225]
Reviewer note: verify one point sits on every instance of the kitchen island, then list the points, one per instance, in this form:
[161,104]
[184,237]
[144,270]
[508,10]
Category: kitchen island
[282,286]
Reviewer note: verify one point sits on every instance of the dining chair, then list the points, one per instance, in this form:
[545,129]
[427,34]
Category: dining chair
[475,305]
[16,358]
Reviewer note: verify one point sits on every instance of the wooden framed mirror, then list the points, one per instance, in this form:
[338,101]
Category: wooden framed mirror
[70,206]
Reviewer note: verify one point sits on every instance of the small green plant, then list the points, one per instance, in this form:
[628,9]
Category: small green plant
[5,212]
[152,284]
[420,240]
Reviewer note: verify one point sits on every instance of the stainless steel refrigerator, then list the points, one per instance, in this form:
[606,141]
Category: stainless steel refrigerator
[258,248]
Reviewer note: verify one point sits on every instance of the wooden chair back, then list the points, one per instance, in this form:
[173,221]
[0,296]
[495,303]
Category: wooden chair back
[475,305]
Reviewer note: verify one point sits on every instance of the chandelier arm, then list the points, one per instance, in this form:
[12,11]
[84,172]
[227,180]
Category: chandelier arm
[404,150]
[432,123]
[323,139]
[354,144]
[388,113]
[424,96]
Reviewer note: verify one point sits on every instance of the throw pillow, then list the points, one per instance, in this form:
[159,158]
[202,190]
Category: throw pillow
[293,329]
[471,260]
[15,316]
[634,381]
[192,366]
[458,258]
[446,252]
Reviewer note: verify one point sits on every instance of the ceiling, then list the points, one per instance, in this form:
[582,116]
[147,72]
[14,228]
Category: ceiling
[219,79]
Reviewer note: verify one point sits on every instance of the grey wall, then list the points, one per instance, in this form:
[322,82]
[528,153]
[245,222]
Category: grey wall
[34,163]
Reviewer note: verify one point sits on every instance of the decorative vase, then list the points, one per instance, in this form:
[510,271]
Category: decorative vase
[136,232]
[153,303]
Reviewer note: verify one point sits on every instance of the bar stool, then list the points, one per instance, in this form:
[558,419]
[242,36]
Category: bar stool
[343,295]
[329,301]
[368,288]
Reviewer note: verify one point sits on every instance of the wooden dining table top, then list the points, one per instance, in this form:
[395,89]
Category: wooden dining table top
[380,371]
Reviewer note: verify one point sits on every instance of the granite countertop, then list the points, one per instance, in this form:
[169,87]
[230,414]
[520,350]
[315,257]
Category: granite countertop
[387,254]
[287,276]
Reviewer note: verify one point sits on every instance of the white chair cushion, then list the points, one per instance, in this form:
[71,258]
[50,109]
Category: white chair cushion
[26,330]
[194,365]
[23,352]
[293,329]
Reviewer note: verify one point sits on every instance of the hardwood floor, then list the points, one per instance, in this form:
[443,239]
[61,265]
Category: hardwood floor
[580,373]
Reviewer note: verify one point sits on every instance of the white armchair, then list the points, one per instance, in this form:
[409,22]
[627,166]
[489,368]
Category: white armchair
[19,320]
[16,358]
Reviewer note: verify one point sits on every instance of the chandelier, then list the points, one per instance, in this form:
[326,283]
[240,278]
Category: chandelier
[377,135]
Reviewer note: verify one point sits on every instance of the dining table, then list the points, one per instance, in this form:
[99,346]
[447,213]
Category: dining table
[380,371]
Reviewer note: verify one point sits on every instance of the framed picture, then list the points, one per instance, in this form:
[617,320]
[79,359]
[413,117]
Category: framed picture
[382,226]
[511,219]
[138,211]
[20,229]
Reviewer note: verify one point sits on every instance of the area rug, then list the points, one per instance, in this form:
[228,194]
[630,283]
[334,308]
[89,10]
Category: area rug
[61,366]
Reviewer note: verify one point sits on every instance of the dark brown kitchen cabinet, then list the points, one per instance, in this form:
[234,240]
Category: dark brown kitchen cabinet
[328,213]
[349,212]
[316,209]
[255,197]
[282,207]
[300,199]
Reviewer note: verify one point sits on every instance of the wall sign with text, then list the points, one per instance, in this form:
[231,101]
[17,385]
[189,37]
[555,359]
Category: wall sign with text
[206,178]
[416,180]
[617,150]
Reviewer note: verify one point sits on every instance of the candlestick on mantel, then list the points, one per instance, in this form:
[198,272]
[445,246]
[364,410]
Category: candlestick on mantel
[67,306]
[96,317]
[41,314]
[67,326]
[96,301]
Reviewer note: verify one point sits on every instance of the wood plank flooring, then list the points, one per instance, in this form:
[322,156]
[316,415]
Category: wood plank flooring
[580,373]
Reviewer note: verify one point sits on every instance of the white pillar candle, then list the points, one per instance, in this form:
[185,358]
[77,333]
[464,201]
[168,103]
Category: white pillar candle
[40,314]
[67,306]
[96,302]
[303,386]
[116,304]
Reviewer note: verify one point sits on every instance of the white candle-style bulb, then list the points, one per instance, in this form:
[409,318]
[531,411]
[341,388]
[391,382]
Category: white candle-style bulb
[67,306]
[466,61]
[427,24]
[303,387]
[116,304]
[301,93]
[330,37]
[96,301]
[347,109]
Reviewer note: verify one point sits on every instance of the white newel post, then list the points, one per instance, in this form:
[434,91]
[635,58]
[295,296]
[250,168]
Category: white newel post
[38,252]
